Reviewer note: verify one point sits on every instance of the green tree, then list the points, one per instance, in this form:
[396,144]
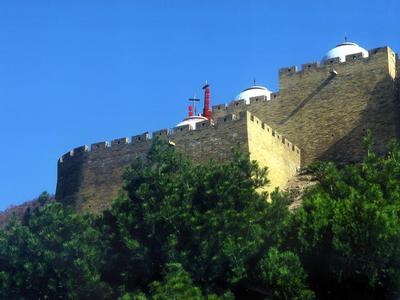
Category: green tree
[208,218]
[55,255]
[177,284]
[283,277]
[44,198]
[347,231]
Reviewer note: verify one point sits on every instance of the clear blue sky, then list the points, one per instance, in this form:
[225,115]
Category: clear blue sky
[78,72]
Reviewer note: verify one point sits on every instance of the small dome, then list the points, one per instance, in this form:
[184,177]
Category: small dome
[191,121]
[253,91]
[344,49]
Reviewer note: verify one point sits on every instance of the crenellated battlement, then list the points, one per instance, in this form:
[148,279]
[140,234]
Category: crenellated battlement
[232,112]
[327,64]
[176,132]
[274,134]
[241,105]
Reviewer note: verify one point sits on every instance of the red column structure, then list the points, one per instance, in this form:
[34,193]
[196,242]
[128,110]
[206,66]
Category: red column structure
[206,111]
[190,108]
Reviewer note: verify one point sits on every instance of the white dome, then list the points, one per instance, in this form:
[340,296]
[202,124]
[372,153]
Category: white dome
[344,49]
[191,121]
[254,91]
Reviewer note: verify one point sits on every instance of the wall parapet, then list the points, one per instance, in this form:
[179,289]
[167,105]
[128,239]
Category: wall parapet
[241,105]
[176,131]
[275,134]
[327,64]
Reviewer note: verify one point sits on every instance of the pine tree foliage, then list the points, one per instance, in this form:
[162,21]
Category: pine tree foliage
[184,231]
[54,255]
[209,218]
[347,231]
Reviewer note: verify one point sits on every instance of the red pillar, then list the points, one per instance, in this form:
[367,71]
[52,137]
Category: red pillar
[206,111]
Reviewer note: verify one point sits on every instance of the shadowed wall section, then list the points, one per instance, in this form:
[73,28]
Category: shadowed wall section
[327,109]
[90,179]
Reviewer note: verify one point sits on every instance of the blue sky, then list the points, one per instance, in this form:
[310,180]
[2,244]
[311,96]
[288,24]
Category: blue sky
[79,72]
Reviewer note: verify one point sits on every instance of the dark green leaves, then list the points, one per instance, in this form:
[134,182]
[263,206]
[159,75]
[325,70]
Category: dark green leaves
[347,231]
[184,231]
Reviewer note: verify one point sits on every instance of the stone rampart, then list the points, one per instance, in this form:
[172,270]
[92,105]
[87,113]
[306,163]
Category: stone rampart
[90,176]
[324,109]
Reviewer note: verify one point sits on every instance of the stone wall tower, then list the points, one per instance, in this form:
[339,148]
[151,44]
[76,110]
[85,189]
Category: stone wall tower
[327,108]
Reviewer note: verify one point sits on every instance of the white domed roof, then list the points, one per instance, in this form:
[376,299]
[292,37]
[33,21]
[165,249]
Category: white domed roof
[344,49]
[191,121]
[253,91]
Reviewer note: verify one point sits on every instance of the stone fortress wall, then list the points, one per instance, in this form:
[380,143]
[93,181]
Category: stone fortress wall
[324,110]
[90,177]
[327,114]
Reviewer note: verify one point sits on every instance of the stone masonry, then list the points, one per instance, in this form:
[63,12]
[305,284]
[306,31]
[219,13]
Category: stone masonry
[323,110]
[327,115]
[89,177]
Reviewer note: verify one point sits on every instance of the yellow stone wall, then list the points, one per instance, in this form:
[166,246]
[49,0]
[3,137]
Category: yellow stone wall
[272,150]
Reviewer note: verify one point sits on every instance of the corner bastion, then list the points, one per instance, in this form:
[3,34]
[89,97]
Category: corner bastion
[90,176]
